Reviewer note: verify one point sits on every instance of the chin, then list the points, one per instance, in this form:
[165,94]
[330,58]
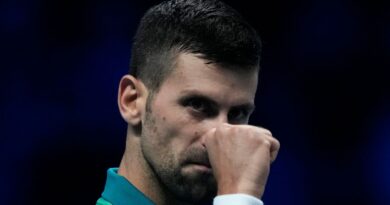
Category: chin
[198,194]
[192,185]
[200,185]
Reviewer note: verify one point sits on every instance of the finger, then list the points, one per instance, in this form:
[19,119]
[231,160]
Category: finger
[274,143]
[274,149]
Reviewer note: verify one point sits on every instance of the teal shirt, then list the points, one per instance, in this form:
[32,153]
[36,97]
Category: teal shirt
[119,191]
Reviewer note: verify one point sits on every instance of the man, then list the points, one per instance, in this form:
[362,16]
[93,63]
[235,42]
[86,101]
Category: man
[194,67]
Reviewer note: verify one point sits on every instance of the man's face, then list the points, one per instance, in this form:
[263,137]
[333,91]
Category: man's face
[193,99]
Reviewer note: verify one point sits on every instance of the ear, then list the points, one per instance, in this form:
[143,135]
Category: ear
[132,95]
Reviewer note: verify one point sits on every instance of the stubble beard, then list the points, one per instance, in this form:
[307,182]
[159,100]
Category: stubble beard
[180,187]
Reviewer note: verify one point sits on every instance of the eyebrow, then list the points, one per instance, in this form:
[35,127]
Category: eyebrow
[199,96]
[250,107]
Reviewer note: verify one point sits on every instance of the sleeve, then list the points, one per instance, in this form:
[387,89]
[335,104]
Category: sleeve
[236,199]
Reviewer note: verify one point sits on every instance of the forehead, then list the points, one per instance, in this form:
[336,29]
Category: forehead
[194,74]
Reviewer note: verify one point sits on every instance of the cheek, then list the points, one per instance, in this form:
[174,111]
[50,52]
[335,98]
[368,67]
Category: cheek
[175,128]
[162,131]
[178,130]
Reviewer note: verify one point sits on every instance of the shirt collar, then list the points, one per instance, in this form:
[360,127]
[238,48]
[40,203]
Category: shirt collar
[119,191]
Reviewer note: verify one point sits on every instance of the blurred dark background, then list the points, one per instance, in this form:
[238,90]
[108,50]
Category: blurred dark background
[324,93]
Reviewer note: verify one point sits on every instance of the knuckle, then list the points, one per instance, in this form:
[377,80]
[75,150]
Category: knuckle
[261,141]
[267,132]
[264,131]
[267,143]
[277,144]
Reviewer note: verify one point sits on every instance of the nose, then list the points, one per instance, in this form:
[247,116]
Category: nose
[217,121]
[210,125]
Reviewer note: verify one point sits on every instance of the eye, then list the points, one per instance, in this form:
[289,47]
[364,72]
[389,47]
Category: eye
[238,115]
[199,105]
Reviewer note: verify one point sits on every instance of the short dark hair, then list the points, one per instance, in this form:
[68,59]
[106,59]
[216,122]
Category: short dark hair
[209,28]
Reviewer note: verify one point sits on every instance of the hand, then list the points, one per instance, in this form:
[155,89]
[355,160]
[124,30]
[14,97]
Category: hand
[240,156]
